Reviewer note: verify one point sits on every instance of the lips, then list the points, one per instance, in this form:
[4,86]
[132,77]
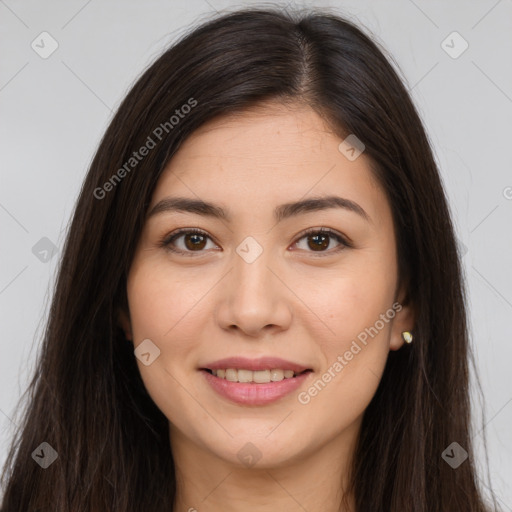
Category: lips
[262,363]
[254,381]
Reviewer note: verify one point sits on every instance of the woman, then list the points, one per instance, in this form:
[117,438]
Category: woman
[260,304]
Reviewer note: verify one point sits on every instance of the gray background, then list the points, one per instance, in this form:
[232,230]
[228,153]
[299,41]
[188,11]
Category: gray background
[55,109]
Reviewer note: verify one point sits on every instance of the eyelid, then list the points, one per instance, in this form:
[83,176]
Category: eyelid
[341,239]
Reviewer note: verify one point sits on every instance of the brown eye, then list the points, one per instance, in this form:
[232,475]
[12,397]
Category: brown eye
[194,241]
[186,241]
[319,240]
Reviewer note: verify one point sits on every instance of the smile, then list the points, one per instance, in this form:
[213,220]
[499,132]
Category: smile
[256,388]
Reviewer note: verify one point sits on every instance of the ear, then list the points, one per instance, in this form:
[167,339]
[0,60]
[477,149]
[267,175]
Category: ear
[124,322]
[404,321]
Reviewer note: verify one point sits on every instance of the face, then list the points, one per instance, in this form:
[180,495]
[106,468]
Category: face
[275,289]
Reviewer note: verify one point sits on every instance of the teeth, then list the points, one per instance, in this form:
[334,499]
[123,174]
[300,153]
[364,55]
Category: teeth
[258,376]
[276,375]
[231,375]
[244,375]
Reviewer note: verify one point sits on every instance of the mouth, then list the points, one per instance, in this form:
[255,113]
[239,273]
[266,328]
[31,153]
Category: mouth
[254,382]
[264,376]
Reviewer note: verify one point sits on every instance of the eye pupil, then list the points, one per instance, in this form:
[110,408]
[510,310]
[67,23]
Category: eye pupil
[197,243]
[317,237]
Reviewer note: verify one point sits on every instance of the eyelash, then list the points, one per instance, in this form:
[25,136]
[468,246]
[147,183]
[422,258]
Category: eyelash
[169,239]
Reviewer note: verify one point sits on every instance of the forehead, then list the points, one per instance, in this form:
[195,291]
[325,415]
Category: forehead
[267,156]
[268,132]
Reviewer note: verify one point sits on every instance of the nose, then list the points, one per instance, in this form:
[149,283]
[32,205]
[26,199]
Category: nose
[253,298]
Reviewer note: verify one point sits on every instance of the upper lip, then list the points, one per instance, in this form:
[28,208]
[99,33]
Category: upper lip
[261,363]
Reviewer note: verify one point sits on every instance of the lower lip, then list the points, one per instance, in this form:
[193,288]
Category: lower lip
[248,393]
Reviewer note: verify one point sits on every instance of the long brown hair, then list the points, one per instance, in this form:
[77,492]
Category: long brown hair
[87,399]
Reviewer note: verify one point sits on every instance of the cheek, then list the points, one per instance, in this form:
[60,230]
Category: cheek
[357,307]
[168,311]
[163,310]
[354,302]
[160,302]
[360,313]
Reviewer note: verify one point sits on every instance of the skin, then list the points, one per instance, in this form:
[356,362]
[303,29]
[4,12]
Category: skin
[290,302]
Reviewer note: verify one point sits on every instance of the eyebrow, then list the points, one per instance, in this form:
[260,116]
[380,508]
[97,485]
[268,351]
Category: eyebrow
[281,212]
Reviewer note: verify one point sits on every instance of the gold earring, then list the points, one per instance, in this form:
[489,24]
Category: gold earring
[407,336]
